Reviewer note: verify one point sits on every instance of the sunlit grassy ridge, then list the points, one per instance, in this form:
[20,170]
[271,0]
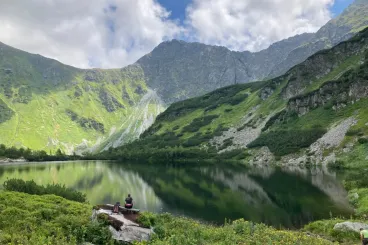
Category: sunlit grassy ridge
[39,95]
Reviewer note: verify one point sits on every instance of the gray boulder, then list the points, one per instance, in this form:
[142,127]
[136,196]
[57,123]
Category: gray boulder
[350,226]
[131,234]
[128,232]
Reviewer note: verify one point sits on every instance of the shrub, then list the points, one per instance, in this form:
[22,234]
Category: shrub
[177,230]
[353,132]
[228,142]
[284,142]
[339,164]
[197,123]
[31,187]
[146,219]
[33,220]
[363,140]
[97,233]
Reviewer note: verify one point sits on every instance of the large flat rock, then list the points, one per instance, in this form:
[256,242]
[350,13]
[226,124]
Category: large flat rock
[129,231]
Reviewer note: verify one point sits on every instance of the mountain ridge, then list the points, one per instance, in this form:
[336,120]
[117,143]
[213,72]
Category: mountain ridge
[43,102]
[323,101]
[173,65]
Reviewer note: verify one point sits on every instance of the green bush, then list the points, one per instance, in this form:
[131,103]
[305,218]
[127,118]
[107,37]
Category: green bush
[178,230]
[197,123]
[228,142]
[33,220]
[363,140]
[146,219]
[284,142]
[339,164]
[31,187]
[353,132]
[98,233]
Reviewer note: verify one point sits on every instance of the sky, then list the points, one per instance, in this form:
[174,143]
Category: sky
[115,33]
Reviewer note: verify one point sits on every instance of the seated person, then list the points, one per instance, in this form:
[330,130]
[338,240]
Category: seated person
[129,202]
[116,208]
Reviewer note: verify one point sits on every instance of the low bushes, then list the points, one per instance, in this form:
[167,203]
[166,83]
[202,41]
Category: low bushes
[325,228]
[197,123]
[48,219]
[176,230]
[283,142]
[363,141]
[146,219]
[31,187]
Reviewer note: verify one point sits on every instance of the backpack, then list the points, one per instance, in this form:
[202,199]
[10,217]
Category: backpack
[116,208]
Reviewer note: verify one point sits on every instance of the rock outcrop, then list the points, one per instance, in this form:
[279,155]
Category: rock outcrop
[350,226]
[123,229]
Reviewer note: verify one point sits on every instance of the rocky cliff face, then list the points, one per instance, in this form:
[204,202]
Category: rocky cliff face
[180,70]
[333,94]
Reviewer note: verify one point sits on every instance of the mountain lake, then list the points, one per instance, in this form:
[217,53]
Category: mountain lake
[282,197]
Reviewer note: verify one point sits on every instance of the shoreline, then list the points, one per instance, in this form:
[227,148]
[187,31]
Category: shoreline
[9,162]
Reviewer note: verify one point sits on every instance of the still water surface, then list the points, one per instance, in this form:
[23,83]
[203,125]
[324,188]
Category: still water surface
[288,197]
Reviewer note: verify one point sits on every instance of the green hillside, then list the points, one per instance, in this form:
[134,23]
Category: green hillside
[326,95]
[47,105]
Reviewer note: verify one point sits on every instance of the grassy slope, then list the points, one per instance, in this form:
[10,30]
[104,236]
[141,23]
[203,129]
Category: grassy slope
[51,89]
[173,230]
[31,219]
[254,110]
[53,220]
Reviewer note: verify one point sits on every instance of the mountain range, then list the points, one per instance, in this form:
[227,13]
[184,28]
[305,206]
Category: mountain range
[317,112]
[48,105]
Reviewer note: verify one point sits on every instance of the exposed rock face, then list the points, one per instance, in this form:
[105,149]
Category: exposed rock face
[331,139]
[128,232]
[350,226]
[86,123]
[109,101]
[131,234]
[179,70]
[332,93]
[319,65]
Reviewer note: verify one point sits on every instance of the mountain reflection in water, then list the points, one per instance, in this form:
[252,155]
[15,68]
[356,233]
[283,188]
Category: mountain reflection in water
[288,197]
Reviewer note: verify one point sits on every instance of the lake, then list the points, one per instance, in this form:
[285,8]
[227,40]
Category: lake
[288,197]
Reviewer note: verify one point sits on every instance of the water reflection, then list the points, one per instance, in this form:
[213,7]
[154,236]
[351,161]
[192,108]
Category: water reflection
[288,197]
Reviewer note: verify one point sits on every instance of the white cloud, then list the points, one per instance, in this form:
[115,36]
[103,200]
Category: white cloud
[84,33]
[255,24]
[115,33]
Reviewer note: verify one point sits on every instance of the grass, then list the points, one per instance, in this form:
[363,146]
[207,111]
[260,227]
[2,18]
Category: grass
[44,119]
[173,230]
[48,219]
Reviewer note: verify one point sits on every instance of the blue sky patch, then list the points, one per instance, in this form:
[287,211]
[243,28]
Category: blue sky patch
[176,7]
[339,6]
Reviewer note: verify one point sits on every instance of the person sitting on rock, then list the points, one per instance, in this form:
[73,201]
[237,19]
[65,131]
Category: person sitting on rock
[116,208]
[129,202]
[364,236]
